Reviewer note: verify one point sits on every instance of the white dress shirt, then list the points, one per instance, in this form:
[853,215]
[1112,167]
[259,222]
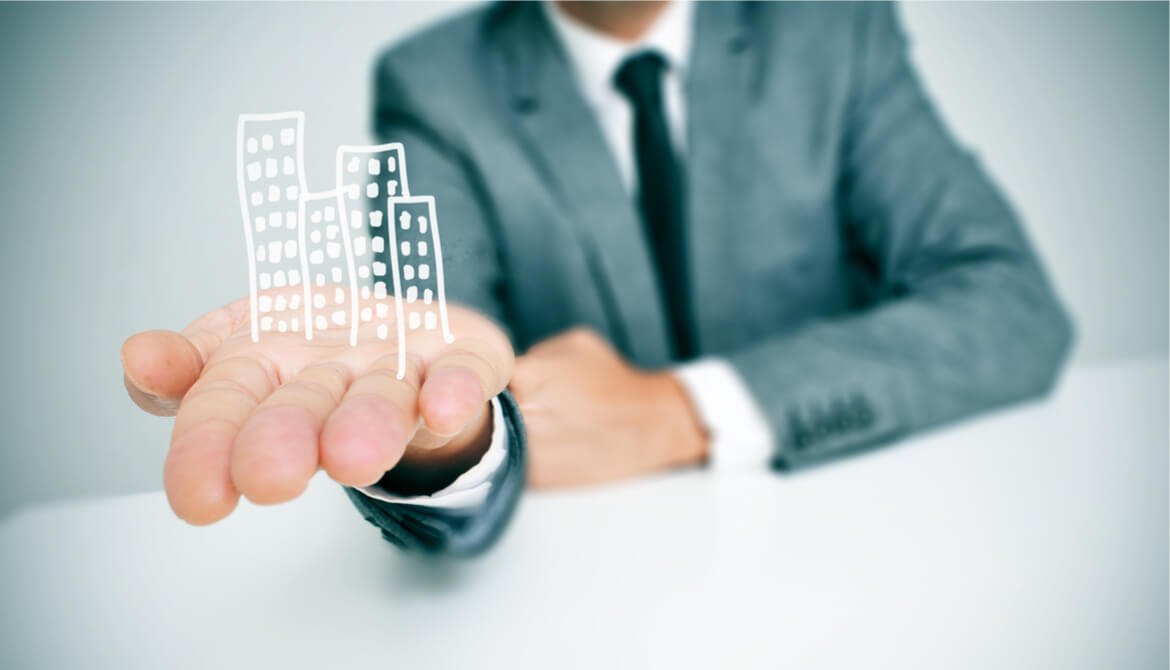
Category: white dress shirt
[738,433]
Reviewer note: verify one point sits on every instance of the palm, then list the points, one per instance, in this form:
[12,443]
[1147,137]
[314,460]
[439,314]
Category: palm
[289,353]
[260,417]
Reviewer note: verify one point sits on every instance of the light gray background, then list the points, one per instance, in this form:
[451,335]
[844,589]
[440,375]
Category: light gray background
[118,183]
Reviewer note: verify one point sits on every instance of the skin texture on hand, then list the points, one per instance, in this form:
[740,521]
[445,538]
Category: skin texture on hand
[591,417]
[260,418]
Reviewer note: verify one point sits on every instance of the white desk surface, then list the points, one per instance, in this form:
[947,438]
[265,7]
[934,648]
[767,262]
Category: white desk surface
[1033,538]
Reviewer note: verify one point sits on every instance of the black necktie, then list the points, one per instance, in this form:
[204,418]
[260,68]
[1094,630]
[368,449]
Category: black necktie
[661,189]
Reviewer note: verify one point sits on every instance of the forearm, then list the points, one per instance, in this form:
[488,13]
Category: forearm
[974,335]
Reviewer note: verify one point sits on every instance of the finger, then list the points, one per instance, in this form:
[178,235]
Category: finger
[276,452]
[460,380]
[161,365]
[210,330]
[368,432]
[197,474]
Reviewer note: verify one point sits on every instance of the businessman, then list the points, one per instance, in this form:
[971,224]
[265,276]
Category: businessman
[718,235]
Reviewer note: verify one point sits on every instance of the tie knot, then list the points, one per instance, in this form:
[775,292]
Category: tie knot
[640,78]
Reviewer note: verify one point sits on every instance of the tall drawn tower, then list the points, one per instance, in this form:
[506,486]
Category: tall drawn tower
[270,177]
[327,269]
[366,176]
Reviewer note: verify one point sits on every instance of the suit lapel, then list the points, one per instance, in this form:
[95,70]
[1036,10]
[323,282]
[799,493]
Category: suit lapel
[724,76]
[563,138]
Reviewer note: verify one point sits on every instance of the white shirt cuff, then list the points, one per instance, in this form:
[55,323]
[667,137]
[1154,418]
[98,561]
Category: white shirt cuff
[471,488]
[739,434]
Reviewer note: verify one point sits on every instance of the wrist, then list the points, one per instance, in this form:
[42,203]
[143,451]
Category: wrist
[686,441]
[426,470]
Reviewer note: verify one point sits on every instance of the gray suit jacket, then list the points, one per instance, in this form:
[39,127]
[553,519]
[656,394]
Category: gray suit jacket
[856,267]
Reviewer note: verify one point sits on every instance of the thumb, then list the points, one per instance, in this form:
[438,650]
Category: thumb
[159,366]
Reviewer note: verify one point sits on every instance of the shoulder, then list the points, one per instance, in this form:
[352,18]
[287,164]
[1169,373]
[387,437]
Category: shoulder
[444,53]
[809,24]
[830,16]
[444,73]
[822,45]
[452,40]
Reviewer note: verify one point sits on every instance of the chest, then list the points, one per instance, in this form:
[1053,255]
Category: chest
[764,240]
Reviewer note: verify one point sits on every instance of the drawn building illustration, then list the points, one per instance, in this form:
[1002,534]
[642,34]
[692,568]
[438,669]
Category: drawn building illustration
[327,260]
[328,293]
[417,262]
[416,269]
[366,177]
[270,178]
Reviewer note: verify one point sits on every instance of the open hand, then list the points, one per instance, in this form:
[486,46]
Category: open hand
[259,418]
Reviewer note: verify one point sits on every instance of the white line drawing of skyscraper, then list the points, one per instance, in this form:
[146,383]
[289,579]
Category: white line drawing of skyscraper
[416,260]
[336,238]
[270,178]
[366,176]
[325,266]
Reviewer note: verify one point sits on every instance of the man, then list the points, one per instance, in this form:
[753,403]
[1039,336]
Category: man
[725,234]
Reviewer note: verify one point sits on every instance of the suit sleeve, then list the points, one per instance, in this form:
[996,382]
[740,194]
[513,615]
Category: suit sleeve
[436,166]
[964,319]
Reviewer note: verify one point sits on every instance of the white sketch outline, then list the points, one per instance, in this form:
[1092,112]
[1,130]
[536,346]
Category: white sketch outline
[399,317]
[437,250]
[342,214]
[404,188]
[342,190]
[245,208]
[301,209]
[339,194]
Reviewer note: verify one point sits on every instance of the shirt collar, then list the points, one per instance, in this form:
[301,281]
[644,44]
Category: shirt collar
[596,56]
